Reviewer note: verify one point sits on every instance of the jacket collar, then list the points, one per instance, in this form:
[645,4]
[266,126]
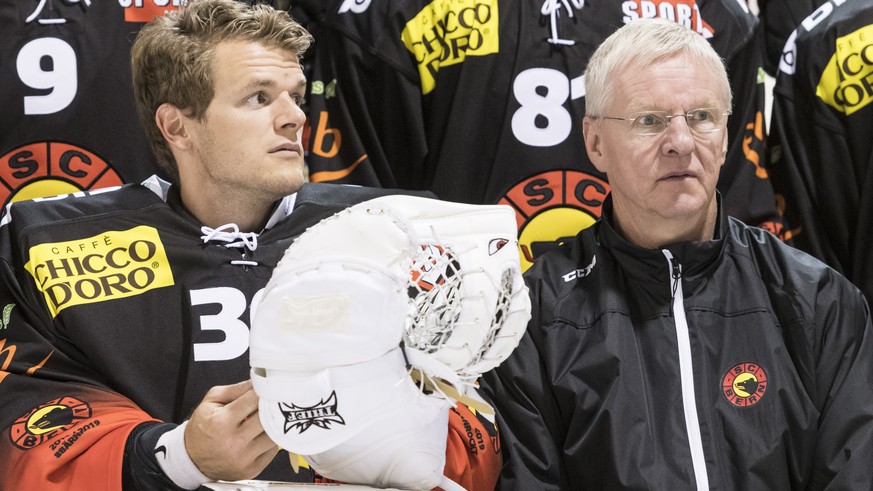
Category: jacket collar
[698,258]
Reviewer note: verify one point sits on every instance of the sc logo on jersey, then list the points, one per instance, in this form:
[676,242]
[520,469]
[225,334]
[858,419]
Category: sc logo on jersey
[49,168]
[552,207]
[47,421]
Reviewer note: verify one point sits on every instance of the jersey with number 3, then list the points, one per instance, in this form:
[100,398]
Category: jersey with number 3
[118,309]
[482,101]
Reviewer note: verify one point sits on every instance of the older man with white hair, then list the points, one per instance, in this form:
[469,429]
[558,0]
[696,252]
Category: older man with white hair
[672,346]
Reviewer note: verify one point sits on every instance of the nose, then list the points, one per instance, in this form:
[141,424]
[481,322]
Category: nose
[677,138]
[289,115]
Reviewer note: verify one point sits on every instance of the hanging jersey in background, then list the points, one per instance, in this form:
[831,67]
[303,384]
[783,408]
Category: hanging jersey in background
[69,121]
[481,101]
[778,19]
[821,145]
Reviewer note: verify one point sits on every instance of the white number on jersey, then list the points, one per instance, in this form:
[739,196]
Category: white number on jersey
[227,320]
[542,93]
[236,332]
[48,64]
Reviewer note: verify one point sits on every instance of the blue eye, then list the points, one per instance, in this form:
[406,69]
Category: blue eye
[647,120]
[700,115]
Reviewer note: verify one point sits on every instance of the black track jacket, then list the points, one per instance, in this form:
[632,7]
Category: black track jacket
[739,364]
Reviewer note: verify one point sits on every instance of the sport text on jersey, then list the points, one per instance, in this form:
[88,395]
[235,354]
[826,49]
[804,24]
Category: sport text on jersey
[683,12]
[111,265]
[146,10]
[447,31]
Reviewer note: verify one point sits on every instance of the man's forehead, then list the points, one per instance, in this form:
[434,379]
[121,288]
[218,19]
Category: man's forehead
[654,86]
[252,53]
[244,63]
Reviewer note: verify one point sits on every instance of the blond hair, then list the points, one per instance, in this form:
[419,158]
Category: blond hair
[171,58]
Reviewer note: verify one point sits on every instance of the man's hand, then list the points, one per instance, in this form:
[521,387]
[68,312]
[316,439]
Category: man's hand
[224,436]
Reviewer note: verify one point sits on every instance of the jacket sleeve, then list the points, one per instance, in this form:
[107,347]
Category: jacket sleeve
[61,427]
[843,388]
[527,414]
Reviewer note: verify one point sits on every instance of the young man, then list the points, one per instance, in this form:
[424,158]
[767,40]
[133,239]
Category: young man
[125,329]
[672,346]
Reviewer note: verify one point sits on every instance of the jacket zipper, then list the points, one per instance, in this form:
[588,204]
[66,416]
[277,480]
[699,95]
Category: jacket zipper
[686,372]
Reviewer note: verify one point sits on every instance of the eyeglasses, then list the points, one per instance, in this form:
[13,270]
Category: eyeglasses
[703,120]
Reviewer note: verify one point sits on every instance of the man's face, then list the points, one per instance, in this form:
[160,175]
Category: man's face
[249,141]
[670,176]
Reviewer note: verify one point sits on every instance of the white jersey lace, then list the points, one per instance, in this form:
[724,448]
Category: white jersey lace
[234,239]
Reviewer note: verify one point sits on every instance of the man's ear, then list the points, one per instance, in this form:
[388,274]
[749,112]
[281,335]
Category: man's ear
[594,143]
[172,123]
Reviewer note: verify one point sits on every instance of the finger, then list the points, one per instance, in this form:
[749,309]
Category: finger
[243,407]
[225,394]
[258,452]
[263,444]
[269,453]
[253,428]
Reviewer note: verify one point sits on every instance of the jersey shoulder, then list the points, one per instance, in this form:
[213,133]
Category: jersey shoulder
[94,204]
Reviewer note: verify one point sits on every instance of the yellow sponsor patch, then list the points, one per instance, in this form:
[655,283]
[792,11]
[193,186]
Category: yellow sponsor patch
[114,264]
[847,81]
[445,32]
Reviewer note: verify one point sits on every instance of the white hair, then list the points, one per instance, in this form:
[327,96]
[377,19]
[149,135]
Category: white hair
[641,43]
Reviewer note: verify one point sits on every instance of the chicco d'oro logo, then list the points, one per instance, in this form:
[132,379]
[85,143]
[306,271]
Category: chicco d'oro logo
[114,264]
[321,415]
[845,83]
[744,384]
[50,168]
[446,33]
[552,207]
[47,420]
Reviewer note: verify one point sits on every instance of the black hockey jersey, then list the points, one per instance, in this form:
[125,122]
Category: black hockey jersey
[132,301]
[822,137]
[482,101]
[779,18]
[69,121]
[119,310]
